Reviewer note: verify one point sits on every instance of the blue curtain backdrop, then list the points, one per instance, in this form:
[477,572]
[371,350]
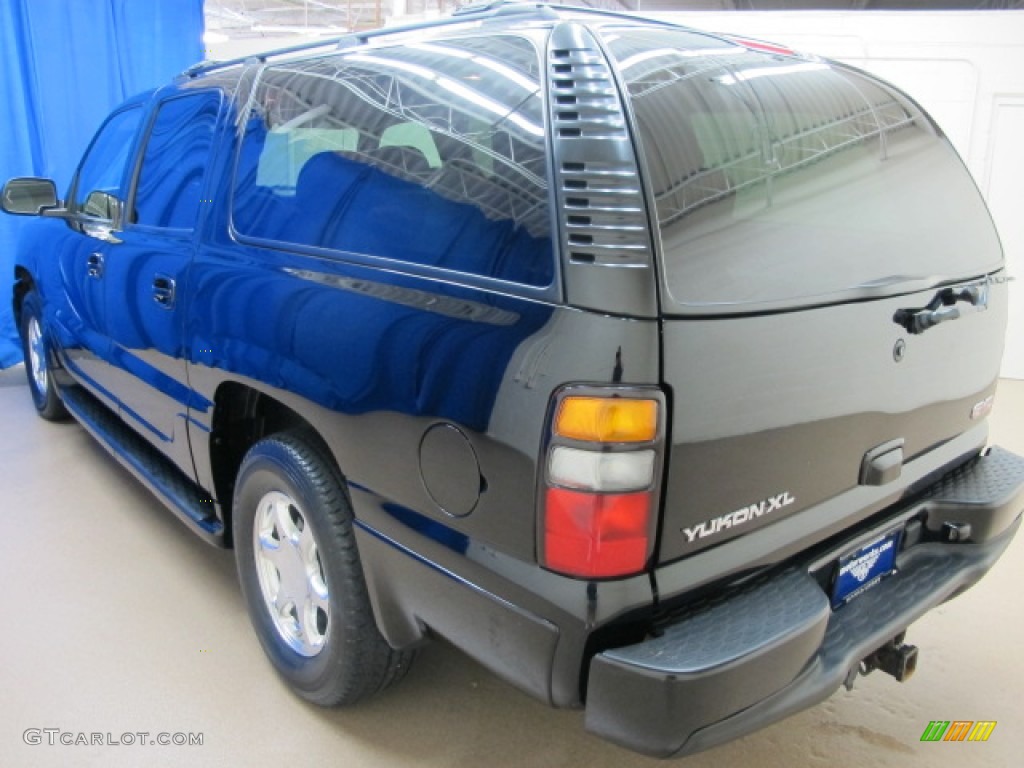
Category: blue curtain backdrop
[64,64]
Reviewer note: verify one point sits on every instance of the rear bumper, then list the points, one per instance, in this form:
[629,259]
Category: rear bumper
[776,646]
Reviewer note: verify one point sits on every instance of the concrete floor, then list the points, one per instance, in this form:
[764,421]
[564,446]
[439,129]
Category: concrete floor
[117,619]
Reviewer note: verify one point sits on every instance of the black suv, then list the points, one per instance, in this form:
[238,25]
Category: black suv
[649,367]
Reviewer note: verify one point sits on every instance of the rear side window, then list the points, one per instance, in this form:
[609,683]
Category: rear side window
[177,152]
[781,181]
[430,154]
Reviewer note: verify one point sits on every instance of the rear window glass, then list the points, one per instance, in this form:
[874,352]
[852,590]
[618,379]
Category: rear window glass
[782,181]
[430,154]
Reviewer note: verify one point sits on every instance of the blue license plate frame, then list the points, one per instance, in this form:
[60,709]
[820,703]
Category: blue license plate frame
[863,568]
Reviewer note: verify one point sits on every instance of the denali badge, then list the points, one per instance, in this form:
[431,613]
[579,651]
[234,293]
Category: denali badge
[982,408]
[739,517]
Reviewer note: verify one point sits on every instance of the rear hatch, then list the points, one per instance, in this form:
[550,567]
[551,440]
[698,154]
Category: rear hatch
[831,281]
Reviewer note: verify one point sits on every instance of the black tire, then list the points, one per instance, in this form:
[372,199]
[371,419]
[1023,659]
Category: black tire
[39,360]
[352,660]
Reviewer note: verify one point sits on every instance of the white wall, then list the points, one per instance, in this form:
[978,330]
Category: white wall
[965,68]
[249,46]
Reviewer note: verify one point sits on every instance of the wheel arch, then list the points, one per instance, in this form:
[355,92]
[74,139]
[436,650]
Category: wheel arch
[23,283]
[242,416]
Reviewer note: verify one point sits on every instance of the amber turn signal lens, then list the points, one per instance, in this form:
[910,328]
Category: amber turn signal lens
[607,419]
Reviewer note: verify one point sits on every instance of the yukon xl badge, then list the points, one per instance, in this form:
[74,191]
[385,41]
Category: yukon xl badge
[739,517]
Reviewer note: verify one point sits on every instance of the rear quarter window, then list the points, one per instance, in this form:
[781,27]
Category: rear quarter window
[781,181]
[430,154]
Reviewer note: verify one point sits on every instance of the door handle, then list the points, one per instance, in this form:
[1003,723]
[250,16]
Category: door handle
[163,291]
[94,265]
[942,308]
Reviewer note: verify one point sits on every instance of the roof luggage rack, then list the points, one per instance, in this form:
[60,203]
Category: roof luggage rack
[480,11]
[491,9]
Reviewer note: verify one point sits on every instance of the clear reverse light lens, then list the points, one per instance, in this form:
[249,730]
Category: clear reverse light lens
[594,471]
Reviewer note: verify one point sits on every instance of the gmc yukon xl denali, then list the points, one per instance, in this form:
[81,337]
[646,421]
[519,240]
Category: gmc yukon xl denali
[648,367]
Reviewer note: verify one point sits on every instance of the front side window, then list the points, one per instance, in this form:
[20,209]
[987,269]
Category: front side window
[97,188]
[170,181]
[430,154]
[782,182]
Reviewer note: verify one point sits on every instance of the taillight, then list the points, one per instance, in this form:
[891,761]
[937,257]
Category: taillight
[601,469]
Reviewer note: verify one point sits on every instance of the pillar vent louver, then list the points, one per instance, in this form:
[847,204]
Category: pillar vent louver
[603,222]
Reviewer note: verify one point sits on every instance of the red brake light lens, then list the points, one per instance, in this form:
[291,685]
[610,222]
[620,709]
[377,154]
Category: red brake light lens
[763,46]
[596,535]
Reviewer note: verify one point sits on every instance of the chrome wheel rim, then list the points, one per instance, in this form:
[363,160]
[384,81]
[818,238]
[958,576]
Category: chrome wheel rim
[290,573]
[37,355]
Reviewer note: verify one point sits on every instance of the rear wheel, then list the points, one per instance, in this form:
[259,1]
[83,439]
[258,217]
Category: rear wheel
[38,359]
[301,575]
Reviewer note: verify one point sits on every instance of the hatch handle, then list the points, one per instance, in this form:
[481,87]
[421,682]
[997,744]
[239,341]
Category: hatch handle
[942,307]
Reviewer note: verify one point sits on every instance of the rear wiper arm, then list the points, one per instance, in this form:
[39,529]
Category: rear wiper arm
[942,307]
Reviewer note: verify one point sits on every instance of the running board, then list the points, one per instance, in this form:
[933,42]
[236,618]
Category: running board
[186,499]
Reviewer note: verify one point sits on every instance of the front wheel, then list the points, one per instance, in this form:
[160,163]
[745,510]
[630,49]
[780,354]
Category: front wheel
[301,575]
[38,358]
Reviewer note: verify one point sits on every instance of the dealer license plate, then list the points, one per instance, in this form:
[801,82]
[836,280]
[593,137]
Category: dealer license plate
[859,571]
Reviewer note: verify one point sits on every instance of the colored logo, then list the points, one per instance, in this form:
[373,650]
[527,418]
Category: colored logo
[862,567]
[958,730]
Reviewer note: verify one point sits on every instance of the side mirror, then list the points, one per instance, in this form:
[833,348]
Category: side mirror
[102,205]
[29,196]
